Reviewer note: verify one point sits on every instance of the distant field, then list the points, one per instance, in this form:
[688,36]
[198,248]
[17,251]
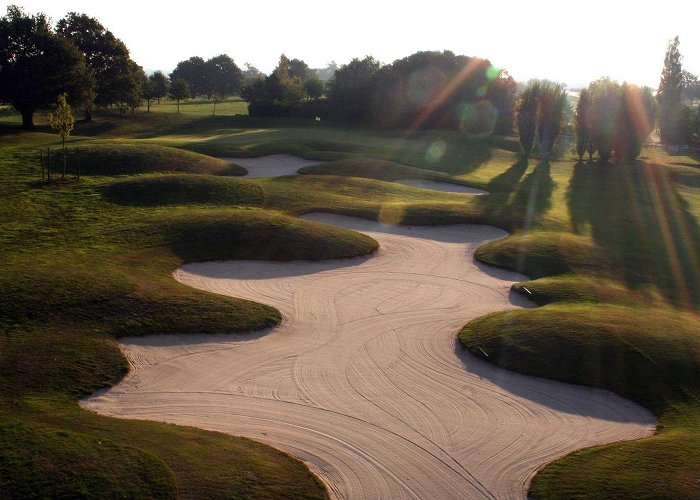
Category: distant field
[613,253]
[202,107]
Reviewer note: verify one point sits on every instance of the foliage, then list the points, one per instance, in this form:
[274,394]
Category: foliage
[179,90]
[222,78]
[527,116]
[193,72]
[583,125]
[159,84]
[614,119]
[432,90]
[118,79]
[669,95]
[36,65]
[552,104]
[501,94]
[349,89]
[278,94]
[62,121]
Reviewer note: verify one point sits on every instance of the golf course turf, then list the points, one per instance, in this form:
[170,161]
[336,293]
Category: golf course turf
[613,252]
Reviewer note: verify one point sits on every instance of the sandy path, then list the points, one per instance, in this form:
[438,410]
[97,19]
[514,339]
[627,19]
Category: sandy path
[364,380]
[272,165]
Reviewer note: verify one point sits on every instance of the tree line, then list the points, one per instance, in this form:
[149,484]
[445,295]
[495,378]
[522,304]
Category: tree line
[613,120]
[81,59]
[423,90]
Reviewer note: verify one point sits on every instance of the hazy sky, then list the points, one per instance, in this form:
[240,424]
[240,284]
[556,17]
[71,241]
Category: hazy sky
[571,42]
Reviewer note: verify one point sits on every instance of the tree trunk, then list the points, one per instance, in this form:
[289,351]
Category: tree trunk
[87,117]
[65,160]
[178,105]
[28,119]
[148,105]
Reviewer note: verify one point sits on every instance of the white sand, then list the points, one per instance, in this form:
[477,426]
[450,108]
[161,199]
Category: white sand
[272,165]
[441,186]
[364,379]
[279,165]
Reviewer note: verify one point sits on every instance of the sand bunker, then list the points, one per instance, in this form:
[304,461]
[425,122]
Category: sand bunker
[441,186]
[279,165]
[364,379]
[272,165]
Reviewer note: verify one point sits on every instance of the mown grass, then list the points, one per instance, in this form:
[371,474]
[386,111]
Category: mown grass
[613,253]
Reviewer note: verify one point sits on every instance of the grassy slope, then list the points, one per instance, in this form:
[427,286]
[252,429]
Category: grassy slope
[584,231]
[91,261]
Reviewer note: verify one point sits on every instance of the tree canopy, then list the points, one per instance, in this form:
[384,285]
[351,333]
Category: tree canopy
[37,65]
[118,79]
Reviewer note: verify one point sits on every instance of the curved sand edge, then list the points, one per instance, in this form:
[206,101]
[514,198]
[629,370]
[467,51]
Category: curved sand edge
[364,380]
[272,165]
[279,165]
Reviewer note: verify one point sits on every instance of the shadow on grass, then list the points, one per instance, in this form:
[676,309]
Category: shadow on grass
[518,199]
[636,215]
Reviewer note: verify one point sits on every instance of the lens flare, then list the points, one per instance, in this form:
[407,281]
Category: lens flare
[435,152]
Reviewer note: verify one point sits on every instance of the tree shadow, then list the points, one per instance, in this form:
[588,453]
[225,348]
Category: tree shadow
[534,194]
[516,199]
[501,187]
[636,215]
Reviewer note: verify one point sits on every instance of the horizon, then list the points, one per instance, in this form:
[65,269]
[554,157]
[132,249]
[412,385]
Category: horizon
[633,52]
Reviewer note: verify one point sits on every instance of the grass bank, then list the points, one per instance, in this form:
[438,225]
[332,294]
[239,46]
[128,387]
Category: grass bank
[613,253]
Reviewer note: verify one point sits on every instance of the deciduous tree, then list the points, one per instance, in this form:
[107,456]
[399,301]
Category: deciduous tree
[62,121]
[36,65]
[179,90]
[117,77]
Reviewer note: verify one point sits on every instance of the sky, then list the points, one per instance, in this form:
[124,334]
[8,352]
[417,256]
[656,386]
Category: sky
[568,42]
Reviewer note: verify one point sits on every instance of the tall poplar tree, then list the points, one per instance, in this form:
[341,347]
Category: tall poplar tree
[671,110]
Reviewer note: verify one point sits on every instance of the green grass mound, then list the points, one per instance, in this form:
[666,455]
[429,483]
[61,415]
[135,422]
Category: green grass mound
[652,358]
[589,344]
[377,169]
[663,466]
[258,234]
[129,159]
[544,253]
[180,189]
[87,465]
[584,288]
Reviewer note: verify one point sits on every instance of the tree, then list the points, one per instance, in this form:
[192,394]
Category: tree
[179,89]
[222,78]
[551,105]
[160,85]
[193,71]
[605,104]
[527,116]
[350,88]
[117,77]
[275,95]
[614,120]
[634,121]
[148,93]
[36,65]
[251,72]
[669,95]
[501,94]
[583,125]
[62,121]
[325,74]
[313,87]
[299,69]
